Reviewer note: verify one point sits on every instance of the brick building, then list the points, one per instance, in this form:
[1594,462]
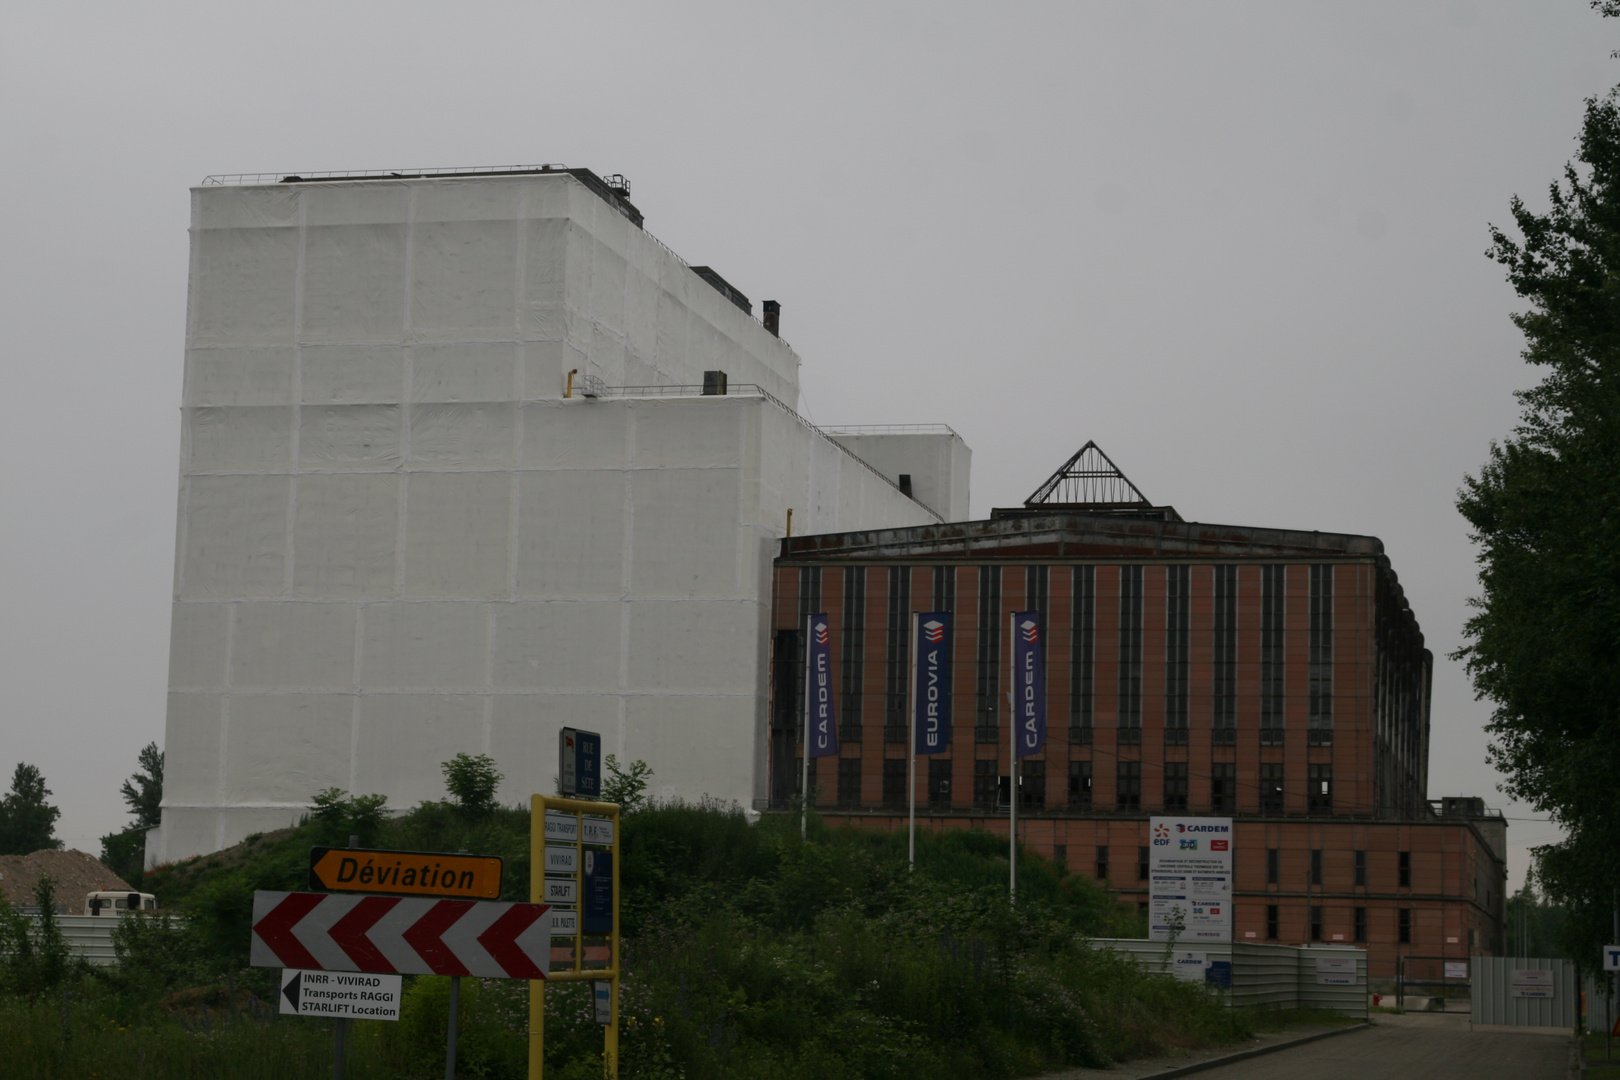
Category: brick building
[1275,676]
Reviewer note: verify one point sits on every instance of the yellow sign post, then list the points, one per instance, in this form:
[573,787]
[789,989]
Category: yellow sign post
[567,838]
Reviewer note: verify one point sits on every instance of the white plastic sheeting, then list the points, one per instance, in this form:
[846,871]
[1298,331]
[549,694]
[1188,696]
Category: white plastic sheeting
[938,462]
[396,541]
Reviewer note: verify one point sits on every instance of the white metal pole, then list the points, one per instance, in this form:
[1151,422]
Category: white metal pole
[911,727]
[1012,766]
[804,781]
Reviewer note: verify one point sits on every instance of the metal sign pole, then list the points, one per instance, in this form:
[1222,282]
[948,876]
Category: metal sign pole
[1012,767]
[455,1028]
[804,781]
[911,728]
[340,1036]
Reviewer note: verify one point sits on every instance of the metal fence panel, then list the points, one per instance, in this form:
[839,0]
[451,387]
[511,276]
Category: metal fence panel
[89,936]
[1602,1003]
[1494,1000]
[1267,976]
[1347,998]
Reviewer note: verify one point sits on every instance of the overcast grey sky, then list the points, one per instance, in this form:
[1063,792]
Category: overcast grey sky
[1238,244]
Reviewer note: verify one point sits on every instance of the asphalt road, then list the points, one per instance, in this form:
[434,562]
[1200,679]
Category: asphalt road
[1414,1046]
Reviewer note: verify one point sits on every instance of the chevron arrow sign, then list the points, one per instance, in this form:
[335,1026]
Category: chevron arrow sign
[391,935]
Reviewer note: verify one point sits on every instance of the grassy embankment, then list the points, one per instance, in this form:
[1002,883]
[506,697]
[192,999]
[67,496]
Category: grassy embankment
[750,954]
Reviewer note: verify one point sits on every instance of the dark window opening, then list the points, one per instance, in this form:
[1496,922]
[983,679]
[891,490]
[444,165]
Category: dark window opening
[987,707]
[1128,785]
[1404,927]
[1320,715]
[1081,648]
[1271,787]
[1175,785]
[1144,856]
[1316,866]
[1361,866]
[939,783]
[1272,594]
[1320,788]
[1223,786]
[894,782]
[849,783]
[1273,866]
[852,673]
[1177,650]
[985,783]
[898,668]
[1060,855]
[1032,785]
[1361,924]
[1316,923]
[944,588]
[1224,696]
[1130,655]
[1080,785]
[1102,862]
[1403,867]
[1271,922]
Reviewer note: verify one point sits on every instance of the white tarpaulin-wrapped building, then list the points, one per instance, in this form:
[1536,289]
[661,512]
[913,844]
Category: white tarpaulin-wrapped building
[450,481]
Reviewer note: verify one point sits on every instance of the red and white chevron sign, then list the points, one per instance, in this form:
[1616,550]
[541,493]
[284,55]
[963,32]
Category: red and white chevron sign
[408,935]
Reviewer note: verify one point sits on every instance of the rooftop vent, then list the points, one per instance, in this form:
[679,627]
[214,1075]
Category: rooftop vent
[771,311]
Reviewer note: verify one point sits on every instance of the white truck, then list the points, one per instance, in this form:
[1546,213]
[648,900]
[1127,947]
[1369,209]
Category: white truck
[118,903]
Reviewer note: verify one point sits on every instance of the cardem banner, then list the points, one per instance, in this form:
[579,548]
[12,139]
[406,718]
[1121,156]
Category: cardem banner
[822,738]
[931,697]
[1028,684]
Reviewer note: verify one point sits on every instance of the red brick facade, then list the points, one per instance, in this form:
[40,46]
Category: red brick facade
[1345,722]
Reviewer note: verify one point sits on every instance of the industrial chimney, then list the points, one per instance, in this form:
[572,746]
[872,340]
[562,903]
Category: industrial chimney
[773,316]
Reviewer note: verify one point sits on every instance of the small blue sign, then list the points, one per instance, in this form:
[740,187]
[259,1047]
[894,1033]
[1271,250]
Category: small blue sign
[1219,973]
[588,764]
[596,906]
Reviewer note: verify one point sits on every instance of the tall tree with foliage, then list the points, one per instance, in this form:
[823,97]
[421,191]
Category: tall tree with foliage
[27,821]
[124,851]
[1544,645]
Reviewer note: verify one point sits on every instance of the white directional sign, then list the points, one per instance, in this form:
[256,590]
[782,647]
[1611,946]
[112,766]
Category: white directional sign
[562,860]
[1190,874]
[561,891]
[1611,958]
[344,995]
[561,827]
[1533,983]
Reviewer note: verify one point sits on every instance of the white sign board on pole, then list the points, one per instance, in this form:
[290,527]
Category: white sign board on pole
[1188,965]
[1190,874]
[1456,969]
[1335,971]
[1611,958]
[1533,983]
[339,995]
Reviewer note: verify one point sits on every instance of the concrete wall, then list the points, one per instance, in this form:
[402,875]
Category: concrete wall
[936,459]
[396,541]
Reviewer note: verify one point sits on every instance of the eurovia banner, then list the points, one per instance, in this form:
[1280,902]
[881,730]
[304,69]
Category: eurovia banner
[1029,683]
[823,736]
[931,697]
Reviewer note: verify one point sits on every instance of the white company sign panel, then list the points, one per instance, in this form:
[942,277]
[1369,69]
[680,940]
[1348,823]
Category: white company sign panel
[1190,872]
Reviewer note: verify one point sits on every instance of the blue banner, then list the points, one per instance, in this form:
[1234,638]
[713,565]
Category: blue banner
[822,738]
[1029,684]
[931,697]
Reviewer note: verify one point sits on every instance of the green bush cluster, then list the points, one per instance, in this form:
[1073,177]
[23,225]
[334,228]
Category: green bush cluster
[750,951]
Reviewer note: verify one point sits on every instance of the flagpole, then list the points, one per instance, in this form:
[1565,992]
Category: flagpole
[1012,768]
[911,713]
[804,785]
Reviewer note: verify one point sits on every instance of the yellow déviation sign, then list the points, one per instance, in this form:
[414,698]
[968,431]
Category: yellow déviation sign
[412,873]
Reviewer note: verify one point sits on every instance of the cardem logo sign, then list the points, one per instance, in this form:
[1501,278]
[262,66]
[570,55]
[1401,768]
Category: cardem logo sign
[931,697]
[823,734]
[1029,684]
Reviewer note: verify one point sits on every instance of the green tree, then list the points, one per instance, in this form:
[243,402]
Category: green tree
[27,821]
[144,790]
[626,786]
[1544,644]
[124,851]
[472,780]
